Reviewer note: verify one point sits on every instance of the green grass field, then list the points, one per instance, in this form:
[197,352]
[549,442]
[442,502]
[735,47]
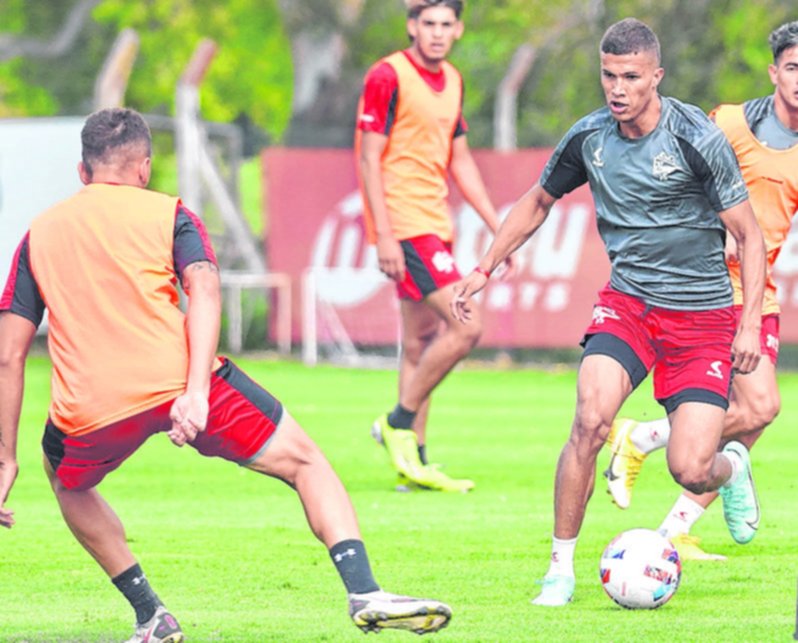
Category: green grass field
[230,554]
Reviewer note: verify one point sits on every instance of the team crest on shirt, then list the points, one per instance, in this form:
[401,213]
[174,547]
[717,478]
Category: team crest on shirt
[443,261]
[664,165]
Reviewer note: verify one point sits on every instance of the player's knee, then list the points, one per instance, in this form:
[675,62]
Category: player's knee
[413,347]
[692,476]
[765,411]
[589,430]
[469,333]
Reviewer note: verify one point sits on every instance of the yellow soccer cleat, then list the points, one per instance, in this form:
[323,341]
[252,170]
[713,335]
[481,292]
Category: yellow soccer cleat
[625,462]
[431,477]
[689,548]
[402,447]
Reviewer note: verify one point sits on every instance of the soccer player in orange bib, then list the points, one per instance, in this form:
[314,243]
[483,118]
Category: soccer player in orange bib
[764,135]
[128,363]
[410,136]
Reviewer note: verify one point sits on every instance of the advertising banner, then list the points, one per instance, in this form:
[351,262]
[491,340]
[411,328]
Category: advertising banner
[314,220]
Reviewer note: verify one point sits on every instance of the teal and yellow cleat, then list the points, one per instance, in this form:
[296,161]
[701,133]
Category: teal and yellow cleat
[556,591]
[740,504]
[626,461]
[689,548]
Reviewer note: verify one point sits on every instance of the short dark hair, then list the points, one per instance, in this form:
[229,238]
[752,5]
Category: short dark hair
[415,10]
[629,36]
[107,131]
[784,37]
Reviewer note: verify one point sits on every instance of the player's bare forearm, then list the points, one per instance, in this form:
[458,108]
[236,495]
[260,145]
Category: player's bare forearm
[16,336]
[371,150]
[523,220]
[468,178]
[203,319]
[741,223]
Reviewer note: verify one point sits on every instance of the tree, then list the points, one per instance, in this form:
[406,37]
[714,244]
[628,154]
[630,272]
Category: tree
[251,74]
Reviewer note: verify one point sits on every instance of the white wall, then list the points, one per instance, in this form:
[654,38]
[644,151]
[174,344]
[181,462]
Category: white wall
[38,167]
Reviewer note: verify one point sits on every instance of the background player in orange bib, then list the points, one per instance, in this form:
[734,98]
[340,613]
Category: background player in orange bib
[764,135]
[410,136]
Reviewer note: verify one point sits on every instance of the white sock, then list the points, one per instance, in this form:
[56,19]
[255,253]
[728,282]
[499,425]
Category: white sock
[650,436]
[562,557]
[736,467]
[682,517]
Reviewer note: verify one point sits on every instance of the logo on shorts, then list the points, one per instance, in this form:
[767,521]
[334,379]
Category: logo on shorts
[714,370]
[772,342]
[603,313]
[664,166]
[443,261]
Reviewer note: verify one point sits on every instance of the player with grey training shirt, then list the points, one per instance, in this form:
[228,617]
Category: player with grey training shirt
[666,185]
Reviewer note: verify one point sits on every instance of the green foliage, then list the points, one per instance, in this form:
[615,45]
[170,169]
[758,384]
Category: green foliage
[713,51]
[203,526]
[19,98]
[251,73]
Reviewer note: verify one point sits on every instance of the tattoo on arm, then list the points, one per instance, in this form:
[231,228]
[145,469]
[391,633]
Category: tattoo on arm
[198,266]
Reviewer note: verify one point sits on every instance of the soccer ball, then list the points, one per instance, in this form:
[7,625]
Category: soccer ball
[640,569]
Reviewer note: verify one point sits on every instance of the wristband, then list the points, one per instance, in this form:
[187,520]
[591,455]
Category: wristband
[482,271]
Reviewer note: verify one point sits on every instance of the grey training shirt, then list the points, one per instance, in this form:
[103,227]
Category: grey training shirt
[657,199]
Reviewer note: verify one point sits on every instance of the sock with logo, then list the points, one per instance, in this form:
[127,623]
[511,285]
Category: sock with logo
[401,418]
[134,585]
[650,436]
[352,563]
[562,557]
[684,514]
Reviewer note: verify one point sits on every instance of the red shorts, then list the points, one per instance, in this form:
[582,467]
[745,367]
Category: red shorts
[690,351]
[242,418]
[768,336]
[429,266]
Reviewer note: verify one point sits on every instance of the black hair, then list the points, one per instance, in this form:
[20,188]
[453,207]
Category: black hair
[456,5]
[629,36]
[107,131]
[784,37]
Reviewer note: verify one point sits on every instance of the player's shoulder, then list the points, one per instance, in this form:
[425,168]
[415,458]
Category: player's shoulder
[685,120]
[757,109]
[599,119]
[382,71]
[450,70]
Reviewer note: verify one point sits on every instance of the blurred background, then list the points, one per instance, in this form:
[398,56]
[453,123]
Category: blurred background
[226,84]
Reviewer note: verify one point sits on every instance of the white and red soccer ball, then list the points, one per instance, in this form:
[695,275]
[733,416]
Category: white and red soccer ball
[640,569]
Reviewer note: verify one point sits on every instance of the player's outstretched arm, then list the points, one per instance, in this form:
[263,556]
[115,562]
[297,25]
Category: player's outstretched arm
[16,336]
[741,223]
[189,412]
[524,218]
[466,175]
[468,178]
